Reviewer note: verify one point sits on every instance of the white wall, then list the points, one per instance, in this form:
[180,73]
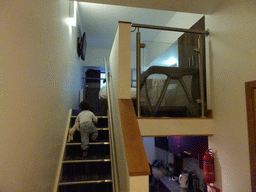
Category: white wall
[95,56]
[136,183]
[149,145]
[165,157]
[232,57]
[39,84]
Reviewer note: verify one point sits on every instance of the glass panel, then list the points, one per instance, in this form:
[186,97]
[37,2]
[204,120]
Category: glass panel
[174,98]
[171,65]
[153,88]
[159,54]
[133,78]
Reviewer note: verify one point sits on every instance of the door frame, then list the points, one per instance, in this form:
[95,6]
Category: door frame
[250,91]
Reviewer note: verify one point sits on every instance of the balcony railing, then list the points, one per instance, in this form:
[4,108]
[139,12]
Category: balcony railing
[171,75]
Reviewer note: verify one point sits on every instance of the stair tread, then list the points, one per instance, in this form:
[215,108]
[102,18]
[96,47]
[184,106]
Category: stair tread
[92,177]
[86,159]
[102,142]
[84,182]
[103,117]
[103,128]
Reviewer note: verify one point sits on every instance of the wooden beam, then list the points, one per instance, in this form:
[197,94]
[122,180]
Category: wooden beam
[134,148]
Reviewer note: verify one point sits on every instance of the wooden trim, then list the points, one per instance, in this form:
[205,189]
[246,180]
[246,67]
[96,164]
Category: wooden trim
[124,22]
[250,90]
[208,115]
[135,153]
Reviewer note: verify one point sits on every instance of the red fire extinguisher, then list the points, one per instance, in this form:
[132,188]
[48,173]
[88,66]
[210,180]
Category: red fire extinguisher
[208,167]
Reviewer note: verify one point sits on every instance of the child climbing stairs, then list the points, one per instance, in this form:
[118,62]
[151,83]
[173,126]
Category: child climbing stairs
[91,173]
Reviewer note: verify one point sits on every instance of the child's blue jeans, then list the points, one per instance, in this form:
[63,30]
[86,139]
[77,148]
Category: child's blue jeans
[86,129]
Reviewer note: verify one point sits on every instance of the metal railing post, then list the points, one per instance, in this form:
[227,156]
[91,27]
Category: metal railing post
[201,74]
[138,71]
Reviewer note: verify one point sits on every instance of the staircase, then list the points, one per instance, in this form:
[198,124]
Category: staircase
[92,173]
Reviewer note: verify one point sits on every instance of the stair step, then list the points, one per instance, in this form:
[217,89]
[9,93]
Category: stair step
[99,117]
[74,152]
[91,143]
[86,187]
[102,117]
[103,129]
[87,172]
[84,182]
[85,178]
[103,136]
[90,158]
[86,160]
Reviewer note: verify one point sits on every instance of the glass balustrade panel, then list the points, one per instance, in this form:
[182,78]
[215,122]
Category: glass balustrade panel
[169,75]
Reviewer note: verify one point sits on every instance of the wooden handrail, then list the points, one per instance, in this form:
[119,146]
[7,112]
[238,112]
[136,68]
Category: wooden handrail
[135,153]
